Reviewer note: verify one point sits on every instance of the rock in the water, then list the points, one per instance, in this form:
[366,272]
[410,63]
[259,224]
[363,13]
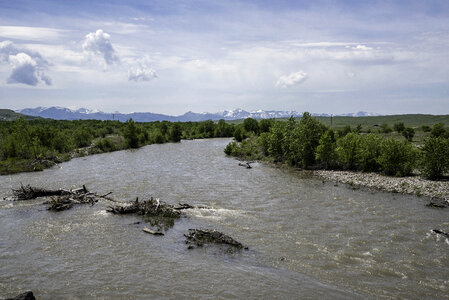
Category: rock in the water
[24,296]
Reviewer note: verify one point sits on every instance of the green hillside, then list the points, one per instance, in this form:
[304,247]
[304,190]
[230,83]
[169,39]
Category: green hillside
[10,115]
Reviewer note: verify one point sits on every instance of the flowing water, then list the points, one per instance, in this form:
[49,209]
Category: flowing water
[307,239]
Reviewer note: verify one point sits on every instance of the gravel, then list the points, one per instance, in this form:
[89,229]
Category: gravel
[406,185]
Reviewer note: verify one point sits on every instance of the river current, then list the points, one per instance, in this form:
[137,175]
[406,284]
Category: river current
[307,239]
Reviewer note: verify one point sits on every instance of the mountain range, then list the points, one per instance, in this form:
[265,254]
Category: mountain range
[62,113]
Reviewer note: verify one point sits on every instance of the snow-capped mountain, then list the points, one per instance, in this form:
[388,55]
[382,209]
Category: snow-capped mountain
[62,113]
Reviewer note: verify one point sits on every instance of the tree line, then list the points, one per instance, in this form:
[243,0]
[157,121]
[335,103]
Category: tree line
[59,140]
[307,143]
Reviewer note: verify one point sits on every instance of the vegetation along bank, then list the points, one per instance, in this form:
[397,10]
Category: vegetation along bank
[35,144]
[373,151]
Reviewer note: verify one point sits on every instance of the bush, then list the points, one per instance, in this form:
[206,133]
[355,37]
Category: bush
[106,145]
[435,157]
[408,133]
[438,130]
[399,127]
[384,128]
[398,158]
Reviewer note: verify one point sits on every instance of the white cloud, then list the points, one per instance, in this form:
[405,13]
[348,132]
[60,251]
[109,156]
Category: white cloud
[28,67]
[31,33]
[286,81]
[141,73]
[98,43]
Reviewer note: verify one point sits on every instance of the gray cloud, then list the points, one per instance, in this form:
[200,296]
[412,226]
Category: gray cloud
[28,67]
[98,43]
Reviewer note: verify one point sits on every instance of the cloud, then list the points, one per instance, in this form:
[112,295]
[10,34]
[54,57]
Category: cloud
[98,43]
[286,81]
[141,73]
[31,33]
[28,67]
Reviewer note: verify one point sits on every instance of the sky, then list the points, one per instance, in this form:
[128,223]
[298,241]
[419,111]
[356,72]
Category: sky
[323,56]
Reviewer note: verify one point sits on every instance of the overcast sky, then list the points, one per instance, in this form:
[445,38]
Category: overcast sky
[174,56]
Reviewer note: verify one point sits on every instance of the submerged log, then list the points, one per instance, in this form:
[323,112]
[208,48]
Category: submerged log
[24,296]
[199,237]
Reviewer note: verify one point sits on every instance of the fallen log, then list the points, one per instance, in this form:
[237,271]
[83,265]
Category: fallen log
[147,230]
[59,199]
[199,237]
[27,192]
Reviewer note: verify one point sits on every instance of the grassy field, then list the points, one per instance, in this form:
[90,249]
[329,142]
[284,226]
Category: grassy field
[414,121]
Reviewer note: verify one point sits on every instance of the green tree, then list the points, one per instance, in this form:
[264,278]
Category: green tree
[435,157]
[175,133]
[325,152]
[265,125]
[276,140]
[398,158]
[130,134]
[368,152]
[306,138]
[347,149]
[251,125]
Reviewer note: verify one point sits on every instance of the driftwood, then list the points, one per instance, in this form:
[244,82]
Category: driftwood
[27,192]
[151,207]
[199,237]
[437,231]
[247,165]
[59,199]
[147,230]
[24,296]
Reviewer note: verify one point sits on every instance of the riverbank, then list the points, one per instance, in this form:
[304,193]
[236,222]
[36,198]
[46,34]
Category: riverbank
[406,185]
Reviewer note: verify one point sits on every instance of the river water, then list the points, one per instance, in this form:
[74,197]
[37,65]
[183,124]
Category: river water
[307,239]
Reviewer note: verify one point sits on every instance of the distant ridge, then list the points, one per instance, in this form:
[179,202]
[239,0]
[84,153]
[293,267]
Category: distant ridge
[62,113]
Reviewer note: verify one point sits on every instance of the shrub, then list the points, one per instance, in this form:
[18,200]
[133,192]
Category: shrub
[438,130]
[398,158]
[435,157]
[399,127]
[408,133]
[384,128]
[106,145]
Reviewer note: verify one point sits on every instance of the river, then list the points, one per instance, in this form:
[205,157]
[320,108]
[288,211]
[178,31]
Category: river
[307,239]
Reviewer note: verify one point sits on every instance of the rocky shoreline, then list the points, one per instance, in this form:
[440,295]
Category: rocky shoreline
[438,190]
